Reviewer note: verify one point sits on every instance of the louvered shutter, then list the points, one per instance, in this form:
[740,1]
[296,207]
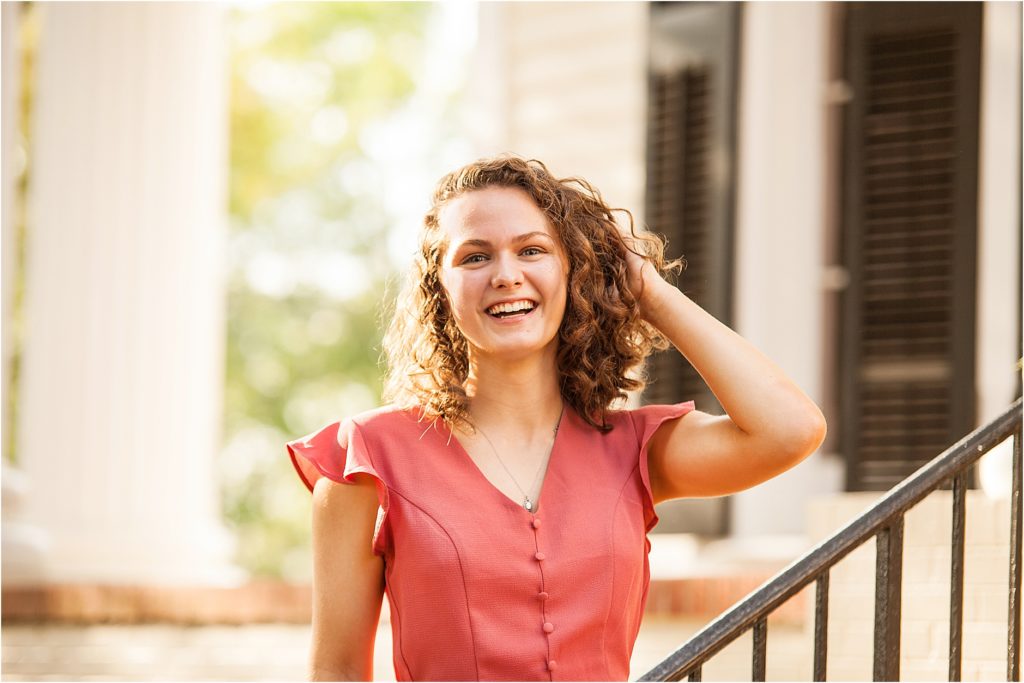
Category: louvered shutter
[690,156]
[691,110]
[909,235]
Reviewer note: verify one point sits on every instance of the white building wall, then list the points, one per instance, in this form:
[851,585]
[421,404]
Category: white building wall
[924,640]
[566,83]
[781,214]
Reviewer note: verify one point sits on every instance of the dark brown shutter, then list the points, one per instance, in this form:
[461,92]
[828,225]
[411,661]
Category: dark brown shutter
[691,115]
[909,242]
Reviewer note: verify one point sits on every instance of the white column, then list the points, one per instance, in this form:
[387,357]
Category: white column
[121,389]
[780,236]
[999,230]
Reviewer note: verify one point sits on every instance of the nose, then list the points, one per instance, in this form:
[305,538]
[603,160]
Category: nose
[506,273]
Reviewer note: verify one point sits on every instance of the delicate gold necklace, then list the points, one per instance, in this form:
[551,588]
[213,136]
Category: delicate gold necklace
[527,503]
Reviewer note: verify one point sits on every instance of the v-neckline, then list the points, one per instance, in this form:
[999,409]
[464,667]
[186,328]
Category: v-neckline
[465,456]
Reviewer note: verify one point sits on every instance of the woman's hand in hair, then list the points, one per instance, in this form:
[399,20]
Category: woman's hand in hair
[645,282]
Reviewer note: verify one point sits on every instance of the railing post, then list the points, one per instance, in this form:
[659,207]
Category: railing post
[1013,640]
[821,626]
[888,599]
[760,649]
[956,576]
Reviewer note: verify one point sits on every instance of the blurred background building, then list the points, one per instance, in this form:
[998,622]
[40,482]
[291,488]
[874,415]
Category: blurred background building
[206,208]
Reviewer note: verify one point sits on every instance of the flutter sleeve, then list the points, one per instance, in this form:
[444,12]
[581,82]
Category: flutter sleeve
[338,452]
[646,421]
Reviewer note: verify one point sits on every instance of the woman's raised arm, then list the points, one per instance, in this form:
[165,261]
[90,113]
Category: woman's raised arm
[770,426]
[348,580]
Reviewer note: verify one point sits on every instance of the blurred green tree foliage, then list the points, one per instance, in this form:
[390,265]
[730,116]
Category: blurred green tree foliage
[27,44]
[308,246]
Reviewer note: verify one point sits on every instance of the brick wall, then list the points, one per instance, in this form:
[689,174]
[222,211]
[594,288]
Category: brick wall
[924,642]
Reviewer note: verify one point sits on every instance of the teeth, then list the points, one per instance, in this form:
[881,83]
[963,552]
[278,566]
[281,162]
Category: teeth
[511,307]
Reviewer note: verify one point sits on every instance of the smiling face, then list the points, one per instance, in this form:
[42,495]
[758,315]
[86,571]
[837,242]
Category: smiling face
[504,271]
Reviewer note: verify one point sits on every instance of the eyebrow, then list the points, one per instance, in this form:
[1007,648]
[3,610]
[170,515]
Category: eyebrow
[516,239]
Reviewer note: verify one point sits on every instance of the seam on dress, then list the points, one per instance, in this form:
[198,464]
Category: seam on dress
[458,553]
[604,630]
[638,472]
[393,604]
[389,490]
[462,573]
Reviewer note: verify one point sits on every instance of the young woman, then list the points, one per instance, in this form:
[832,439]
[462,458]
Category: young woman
[501,500]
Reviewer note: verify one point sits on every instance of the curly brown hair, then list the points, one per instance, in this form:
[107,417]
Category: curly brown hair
[603,341]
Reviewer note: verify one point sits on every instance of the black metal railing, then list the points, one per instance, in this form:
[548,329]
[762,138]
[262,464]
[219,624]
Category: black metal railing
[884,521]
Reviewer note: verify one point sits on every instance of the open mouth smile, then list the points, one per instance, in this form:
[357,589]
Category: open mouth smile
[512,309]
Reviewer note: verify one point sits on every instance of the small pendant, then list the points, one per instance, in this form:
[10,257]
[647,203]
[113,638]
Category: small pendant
[528,504]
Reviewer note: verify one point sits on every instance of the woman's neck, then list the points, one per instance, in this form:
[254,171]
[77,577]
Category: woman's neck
[523,394]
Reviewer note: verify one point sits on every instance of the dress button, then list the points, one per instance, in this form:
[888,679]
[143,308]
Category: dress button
[548,627]
[539,556]
[536,523]
[543,595]
[552,664]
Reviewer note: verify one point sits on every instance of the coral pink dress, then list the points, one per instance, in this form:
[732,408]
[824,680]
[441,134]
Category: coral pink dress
[482,589]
